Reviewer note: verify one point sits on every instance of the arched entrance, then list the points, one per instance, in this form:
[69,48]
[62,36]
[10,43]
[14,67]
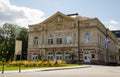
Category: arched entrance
[67,55]
[34,57]
[87,56]
[59,56]
[50,56]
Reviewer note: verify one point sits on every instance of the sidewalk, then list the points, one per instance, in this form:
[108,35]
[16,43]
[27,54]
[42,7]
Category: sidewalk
[48,69]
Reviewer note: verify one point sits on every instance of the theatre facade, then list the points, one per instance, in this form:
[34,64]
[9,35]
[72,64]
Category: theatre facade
[72,38]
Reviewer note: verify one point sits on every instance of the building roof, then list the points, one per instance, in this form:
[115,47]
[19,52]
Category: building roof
[73,17]
[117,33]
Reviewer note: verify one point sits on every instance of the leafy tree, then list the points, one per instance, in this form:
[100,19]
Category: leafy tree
[23,36]
[7,41]
[8,34]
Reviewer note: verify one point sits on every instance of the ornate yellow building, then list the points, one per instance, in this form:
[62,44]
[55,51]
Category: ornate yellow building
[56,38]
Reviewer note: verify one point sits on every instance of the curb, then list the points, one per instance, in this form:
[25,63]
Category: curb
[48,69]
[65,68]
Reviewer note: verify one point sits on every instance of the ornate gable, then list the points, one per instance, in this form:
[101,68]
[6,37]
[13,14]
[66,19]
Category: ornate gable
[58,21]
[57,18]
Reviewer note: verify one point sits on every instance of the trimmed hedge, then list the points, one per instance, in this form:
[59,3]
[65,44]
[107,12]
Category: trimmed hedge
[36,64]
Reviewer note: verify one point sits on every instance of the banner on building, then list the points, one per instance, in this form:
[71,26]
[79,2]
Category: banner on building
[18,47]
[106,43]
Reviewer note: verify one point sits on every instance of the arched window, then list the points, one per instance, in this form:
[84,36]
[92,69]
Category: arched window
[35,41]
[50,39]
[34,56]
[68,38]
[50,56]
[67,55]
[87,37]
[59,56]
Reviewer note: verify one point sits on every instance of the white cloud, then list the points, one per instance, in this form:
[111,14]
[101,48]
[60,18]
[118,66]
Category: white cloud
[21,16]
[112,24]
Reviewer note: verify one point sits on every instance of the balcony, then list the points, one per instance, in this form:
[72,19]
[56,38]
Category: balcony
[88,44]
[68,45]
[58,45]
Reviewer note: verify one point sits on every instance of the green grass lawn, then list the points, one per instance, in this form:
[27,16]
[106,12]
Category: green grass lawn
[17,68]
[74,64]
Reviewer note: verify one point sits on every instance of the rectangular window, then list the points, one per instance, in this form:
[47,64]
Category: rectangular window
[59,57]
[93,55]
[119,58]
[50,41]
[59,40]
[119,53]
[50,57]
[67,57]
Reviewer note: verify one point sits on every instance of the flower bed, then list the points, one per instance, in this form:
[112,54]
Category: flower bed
[36,64]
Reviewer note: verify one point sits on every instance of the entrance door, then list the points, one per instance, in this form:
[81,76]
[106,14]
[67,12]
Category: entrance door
[34,57]
[87,57]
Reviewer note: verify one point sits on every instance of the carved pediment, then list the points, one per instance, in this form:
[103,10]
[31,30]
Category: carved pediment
[58,21]
[58,18]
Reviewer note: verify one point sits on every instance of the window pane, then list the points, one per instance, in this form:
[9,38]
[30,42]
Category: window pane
[93,55]
[85,57]
[59,40]
[50,41]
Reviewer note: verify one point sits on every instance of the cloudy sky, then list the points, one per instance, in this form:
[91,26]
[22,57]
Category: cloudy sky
[24,12]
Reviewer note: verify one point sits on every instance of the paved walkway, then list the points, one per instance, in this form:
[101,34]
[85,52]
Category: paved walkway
[74,71]
[49,69]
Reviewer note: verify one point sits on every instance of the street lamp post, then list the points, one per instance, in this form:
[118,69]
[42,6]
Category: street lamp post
[78,40]
[107,49]
[4,53]
[3,60]
[78,35]
[20,63]
[2,63]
